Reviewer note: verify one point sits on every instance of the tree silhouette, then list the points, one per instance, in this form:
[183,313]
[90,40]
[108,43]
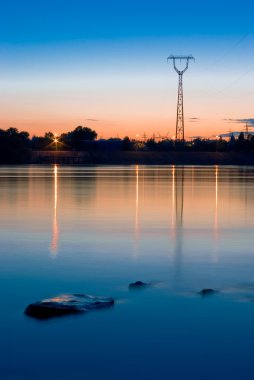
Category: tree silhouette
[78,137]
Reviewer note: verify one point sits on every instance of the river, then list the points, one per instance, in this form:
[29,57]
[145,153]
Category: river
[96,229]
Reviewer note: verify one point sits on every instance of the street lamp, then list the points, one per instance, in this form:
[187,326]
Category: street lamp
[55,140]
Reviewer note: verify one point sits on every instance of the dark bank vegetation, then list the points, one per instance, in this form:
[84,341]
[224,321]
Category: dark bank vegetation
[18,147]
[15,146]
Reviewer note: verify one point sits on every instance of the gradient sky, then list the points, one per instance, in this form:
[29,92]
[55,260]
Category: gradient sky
[103,65]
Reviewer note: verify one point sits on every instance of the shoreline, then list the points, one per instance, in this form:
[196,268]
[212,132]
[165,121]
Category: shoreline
[141,158]
[134,158]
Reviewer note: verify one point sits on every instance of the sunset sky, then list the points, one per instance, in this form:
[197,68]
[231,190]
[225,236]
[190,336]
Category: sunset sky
[103,64]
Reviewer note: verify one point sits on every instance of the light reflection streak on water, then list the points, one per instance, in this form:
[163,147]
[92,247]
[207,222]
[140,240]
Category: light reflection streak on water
[55,229]
[216,225]
[173,193]
[216,187]
[137,232]
[179,206]
[192,182]
[137,193]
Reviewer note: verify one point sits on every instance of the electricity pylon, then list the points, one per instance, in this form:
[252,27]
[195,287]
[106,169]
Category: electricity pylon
[179,136]
[246,131]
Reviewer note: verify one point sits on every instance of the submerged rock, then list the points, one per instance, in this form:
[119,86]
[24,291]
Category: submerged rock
[67,304]
[138,285]
[208,292]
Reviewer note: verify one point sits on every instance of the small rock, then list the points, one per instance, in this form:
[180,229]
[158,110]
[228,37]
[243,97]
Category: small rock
[208,292]
[67,304]
[137,285]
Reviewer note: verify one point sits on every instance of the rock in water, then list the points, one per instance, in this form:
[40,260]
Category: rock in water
[137,285]
[207,292]
[67,304]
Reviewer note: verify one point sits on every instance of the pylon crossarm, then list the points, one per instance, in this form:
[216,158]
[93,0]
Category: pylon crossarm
[180,57]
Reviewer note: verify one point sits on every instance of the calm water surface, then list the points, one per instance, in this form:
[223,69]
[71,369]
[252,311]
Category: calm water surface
[96,229]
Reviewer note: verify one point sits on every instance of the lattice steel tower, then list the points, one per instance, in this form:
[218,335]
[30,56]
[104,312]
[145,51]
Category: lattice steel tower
[180,116]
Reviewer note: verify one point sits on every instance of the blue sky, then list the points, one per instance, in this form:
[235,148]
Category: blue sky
[63,62]
[52,21]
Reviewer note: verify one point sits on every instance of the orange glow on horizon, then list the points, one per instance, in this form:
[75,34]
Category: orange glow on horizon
[122,125]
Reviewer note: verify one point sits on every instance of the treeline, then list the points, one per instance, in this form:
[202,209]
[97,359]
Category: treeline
[16,147]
